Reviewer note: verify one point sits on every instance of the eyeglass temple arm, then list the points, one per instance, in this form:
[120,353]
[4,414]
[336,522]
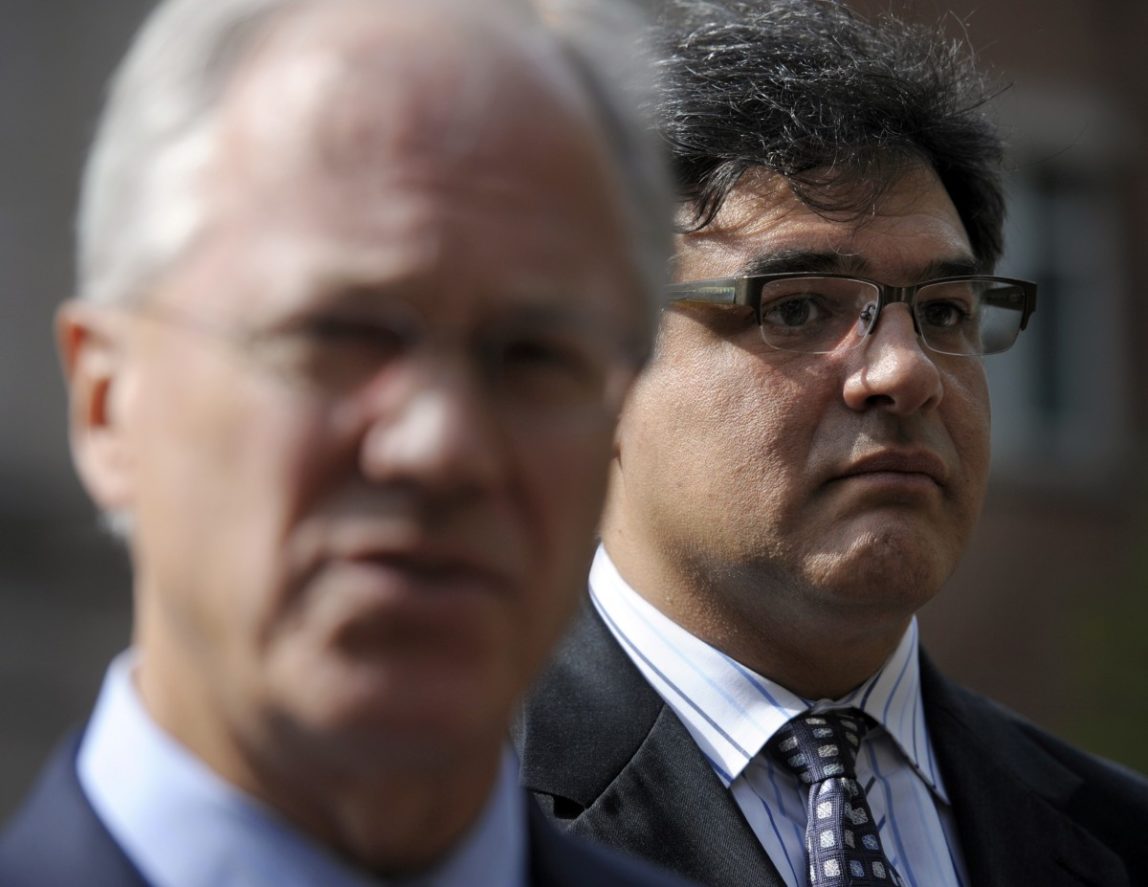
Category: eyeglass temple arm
[724,291]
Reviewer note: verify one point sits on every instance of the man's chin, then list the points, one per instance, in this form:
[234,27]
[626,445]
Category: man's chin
[890,565]
[401,716]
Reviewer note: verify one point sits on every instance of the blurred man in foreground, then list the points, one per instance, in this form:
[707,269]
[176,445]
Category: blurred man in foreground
[363,285]
[796,474]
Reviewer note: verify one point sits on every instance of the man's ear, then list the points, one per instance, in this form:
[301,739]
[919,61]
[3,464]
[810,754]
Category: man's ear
[90,341]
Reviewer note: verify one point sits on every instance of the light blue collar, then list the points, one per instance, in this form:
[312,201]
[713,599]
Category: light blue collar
[183,826]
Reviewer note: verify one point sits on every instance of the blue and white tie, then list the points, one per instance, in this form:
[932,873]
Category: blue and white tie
[841,838]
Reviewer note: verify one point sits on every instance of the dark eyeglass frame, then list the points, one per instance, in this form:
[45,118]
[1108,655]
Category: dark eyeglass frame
[747,291]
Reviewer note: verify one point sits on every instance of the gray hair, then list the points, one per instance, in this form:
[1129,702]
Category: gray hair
[142,205]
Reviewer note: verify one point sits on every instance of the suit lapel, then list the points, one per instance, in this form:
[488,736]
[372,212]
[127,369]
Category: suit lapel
[56,837]
[1009,797]
[598,743]
[600,749]
[668,802]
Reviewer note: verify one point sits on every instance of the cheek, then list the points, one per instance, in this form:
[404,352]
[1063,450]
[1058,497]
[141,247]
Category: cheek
[967,413]
[297,455]
[557,504]
[562,487]
[714,440]
[233,468]
[277,461]
[188,444]
[747,424]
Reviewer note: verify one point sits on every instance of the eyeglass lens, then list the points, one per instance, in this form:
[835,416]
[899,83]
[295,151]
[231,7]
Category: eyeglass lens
[817,315]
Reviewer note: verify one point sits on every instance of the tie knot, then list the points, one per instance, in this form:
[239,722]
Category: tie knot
[816,747]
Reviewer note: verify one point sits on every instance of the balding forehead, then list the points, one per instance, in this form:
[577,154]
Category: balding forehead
[435,77]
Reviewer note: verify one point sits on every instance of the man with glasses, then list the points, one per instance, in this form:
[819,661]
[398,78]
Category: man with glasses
[795,475]
[356,276]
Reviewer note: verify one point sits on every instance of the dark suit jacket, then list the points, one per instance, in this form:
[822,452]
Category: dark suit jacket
[604,755]
[56,840]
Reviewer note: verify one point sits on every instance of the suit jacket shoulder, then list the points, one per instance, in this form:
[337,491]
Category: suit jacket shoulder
[56,840]
[1030,808]
[606,758]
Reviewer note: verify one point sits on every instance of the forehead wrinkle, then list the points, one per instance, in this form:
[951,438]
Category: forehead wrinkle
[361,276]
[334,272]
[764,200]
[911,236]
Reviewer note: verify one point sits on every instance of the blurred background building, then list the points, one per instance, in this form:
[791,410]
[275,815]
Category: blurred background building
[1049,610]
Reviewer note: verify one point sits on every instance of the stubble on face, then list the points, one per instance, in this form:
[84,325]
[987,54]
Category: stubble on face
[732,504]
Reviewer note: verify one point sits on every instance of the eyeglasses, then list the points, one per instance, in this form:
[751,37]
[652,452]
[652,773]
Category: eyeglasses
[819,313]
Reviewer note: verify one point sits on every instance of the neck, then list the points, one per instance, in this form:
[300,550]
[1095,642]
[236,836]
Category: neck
[394,822]
[801,638]
[392,811]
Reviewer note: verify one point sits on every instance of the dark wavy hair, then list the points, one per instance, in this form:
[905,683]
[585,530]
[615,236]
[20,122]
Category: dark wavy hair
[837,104]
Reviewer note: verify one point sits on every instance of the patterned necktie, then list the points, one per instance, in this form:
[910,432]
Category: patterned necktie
[840,836]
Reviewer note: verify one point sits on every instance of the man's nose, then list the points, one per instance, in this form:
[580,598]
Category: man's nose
[890,369]
[436,428]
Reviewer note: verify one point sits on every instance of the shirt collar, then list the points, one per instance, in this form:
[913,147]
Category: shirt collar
[892,698]
[730,710]
[183,826]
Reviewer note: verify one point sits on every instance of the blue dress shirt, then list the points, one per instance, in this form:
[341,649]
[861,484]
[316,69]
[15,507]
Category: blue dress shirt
[183,826]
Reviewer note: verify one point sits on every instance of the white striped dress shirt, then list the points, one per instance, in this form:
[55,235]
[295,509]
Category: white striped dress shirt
[731,713]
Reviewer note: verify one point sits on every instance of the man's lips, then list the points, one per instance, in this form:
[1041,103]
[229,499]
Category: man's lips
[395,543]
[374,599]
[432,568]
[893,466]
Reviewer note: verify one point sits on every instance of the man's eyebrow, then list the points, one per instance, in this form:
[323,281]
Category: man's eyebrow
[829,262]
[796,261]
[950,268]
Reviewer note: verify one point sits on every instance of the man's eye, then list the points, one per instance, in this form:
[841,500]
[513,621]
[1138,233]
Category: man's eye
[340,332]
[546,356]
[332,353]
[940,314]
[794,311]
[551,369]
